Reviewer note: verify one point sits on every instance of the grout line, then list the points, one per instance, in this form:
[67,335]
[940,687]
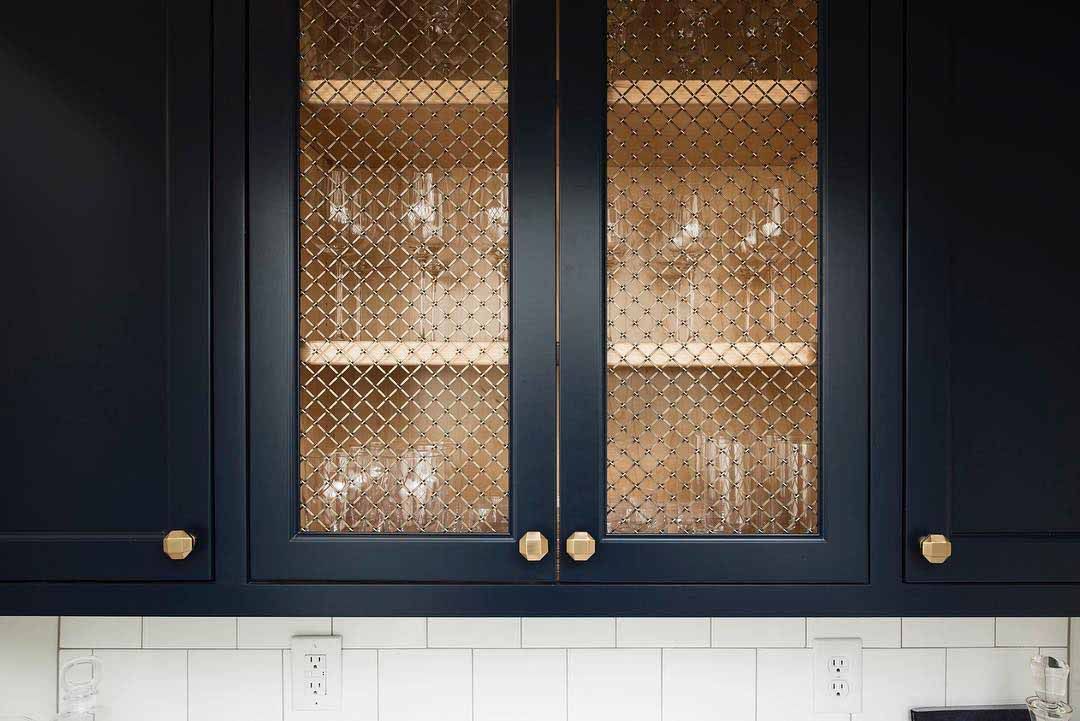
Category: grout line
[378,683]
[756,675]
[663,652]
[995,631]
[281,675]
[946,699]
[566,674]
[187,685]
[472,685]
[710,643]
[427,631]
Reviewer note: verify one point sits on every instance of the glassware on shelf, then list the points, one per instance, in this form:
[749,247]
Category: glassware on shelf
[800,481]
[425,215]
[757,248]
[497,227]
[421,477]
[345,252]
[334,474]
[721,484]
[679,258]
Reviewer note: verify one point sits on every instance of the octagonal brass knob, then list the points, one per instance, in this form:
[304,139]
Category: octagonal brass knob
[580,546]
[533,546]
[178,545]
[935,548]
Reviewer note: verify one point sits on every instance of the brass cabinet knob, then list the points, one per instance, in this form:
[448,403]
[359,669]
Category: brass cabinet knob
[178,545]
[533,546]
[935,548]
[580,546]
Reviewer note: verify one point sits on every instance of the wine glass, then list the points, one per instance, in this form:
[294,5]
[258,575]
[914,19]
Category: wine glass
[421,471]
[497,217]
[679,259]
[425,214]
[347,221]
[335,481]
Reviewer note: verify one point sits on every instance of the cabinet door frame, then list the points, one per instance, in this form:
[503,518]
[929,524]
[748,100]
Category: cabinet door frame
[279,551]
[839,554]
[121,555]
[984,556]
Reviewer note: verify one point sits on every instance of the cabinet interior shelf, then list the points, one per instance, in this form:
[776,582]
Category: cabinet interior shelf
[619,355]
[349,92]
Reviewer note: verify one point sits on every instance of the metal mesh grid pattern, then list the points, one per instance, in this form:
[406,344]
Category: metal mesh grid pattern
[403,266]
[712,267]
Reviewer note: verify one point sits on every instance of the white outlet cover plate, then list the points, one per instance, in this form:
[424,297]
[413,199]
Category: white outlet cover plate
[302,699]
[824,650]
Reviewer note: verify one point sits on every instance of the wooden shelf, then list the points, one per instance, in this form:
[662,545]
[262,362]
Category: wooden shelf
[711,355]
[404,92]
[620,355]
[783,93]
[349,92]
[404,353]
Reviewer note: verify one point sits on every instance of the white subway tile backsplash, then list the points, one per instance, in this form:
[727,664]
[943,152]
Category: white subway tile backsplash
[1032,631]
[28,665]
[705,683]
[359,689]
[140,685]
[759,632]
[277,632]
[519,685]
[619,684]
[191,632]
[100,632]
[896,680]
[429,684]
[568,632]
[474,632]
[661,632]
[378,632]
[490,669]
[947,632]
[874,632]
[231,685]
[783,684]
[987,675]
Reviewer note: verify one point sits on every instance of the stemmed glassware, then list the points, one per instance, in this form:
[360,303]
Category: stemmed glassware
[425,216]
[346,218]
[757,249]
[679,260]
[421,477]
[497,216]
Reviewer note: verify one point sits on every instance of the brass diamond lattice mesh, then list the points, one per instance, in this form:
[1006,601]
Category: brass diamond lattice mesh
[403,264]
[712,271]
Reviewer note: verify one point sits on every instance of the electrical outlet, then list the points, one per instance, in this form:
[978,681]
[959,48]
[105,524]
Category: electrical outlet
[315,663]
[839,665]
[837,675]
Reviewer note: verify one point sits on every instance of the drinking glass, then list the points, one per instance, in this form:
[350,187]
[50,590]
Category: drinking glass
[425,214]
[723,484]
[421,476]
[334,475]
[802,462]
[679,259]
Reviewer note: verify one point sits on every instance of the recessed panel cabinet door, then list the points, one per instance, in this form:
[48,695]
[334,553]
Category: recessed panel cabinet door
[402,290]
[105,419]
[992,302]
[714,291]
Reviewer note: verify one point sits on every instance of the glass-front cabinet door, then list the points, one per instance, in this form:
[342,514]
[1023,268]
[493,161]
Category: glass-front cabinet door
[402,290]
[713,290]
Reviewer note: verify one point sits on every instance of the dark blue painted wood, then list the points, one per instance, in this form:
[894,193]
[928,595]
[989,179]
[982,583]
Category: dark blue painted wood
[991,296]
[106,361]
[278,551]
[840,553]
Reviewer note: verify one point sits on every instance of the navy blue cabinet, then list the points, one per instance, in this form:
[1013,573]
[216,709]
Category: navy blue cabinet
[106,366]
[991,298]
[722,317]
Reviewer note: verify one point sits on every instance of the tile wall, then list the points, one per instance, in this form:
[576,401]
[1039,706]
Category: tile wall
[526,669]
